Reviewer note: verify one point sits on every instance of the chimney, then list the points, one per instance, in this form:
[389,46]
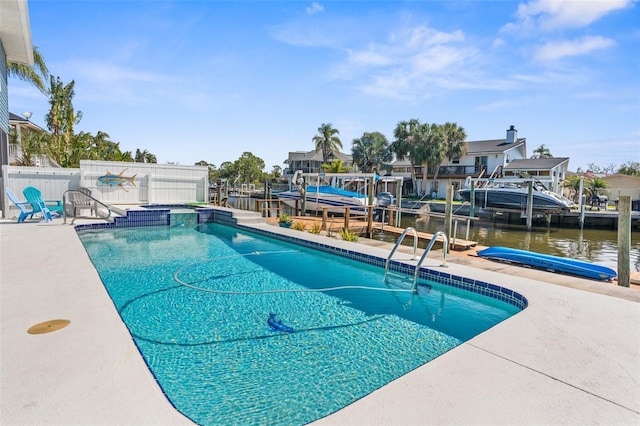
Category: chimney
[512,134]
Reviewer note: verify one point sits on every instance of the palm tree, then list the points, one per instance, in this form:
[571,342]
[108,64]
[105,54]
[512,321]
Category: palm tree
[334,167]
[61,118]
[145,157]
[541,152]
[454,146]
[32,144]
[371,151]
[36,74]
[596,186]
[420,143]
[573,183]
[406,135]
[430,149]
[327,141]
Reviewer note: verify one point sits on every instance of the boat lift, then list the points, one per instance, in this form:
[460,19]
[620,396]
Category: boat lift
[531,181]
[365,183]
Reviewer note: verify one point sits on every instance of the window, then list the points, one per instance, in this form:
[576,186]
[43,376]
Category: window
[455,161]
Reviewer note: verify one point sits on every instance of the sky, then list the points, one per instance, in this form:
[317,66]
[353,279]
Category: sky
[207,81]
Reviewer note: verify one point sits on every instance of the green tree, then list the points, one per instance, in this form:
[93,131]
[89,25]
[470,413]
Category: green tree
[249,167]
[37,74]
[453,144]
[32,144]
[541,152]
[406,135]
[276,172]
[213,174]
[631,168]
[61,119]
[145,157]
[596,186]
[327,141]
[334,167]
[371,151]
[573,184]
[421,143]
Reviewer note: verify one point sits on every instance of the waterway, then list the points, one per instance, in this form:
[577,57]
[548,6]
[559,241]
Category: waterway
[592,245]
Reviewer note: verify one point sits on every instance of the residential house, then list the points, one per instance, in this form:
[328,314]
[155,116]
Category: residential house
[22,126]
[484,158]
[310,161]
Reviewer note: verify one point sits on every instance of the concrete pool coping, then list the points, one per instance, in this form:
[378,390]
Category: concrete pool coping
[571,357]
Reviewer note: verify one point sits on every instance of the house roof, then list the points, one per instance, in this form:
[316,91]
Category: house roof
[315,155]
[14,120]
[474,148]
[493,146]
[536,163]
[15,31]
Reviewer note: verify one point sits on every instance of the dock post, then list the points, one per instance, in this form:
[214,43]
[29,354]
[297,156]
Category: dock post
[583,198]
[370,221]
[325,216]
[530,206]
[347,210]
[448,213]
[472,199]
[392,207]
[624,240]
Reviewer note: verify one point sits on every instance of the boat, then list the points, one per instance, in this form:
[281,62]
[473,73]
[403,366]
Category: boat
[549,262]
[509,197]
[326,196]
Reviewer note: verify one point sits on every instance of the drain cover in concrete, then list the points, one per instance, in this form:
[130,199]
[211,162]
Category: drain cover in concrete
[48,326]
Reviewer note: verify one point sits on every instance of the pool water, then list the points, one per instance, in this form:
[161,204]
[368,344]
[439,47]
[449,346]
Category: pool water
[197,299]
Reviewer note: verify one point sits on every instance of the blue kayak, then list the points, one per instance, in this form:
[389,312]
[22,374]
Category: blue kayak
[551,263]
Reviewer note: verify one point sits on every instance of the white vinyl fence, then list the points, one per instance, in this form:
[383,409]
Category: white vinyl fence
[136,183]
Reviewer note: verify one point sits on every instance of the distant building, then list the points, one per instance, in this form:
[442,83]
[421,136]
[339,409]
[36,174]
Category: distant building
[484,158]
[310,161]
[22,126]
[494,158]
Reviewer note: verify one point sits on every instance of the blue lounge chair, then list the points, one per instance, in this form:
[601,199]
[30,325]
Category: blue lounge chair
[34,196]
[22,205]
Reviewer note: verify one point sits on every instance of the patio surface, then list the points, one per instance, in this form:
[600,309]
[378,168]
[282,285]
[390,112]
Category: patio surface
[571,357]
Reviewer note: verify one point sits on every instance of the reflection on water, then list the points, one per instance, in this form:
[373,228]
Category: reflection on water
[592,245]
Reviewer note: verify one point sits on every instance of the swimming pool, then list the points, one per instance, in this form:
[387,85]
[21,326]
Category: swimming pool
[197,303]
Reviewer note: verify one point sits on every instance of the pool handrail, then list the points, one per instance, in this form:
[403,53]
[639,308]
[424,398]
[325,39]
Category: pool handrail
[445,248]
[395,247]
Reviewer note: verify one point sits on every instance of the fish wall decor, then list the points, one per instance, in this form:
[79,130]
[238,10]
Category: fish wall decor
[117,179]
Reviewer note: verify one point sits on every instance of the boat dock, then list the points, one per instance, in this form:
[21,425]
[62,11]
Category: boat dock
[357,224]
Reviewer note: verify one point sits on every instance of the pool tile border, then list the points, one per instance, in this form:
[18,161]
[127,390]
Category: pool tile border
[469,284]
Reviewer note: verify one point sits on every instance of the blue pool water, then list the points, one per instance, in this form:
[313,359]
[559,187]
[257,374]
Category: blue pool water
[197,302]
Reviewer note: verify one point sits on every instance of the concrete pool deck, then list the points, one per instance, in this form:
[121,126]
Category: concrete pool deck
[571,357]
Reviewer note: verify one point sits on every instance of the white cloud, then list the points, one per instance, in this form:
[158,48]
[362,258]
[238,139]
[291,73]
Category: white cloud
[315,8]
[549,15]
[560,49]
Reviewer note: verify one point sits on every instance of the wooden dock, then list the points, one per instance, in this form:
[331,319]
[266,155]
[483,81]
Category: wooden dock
[359,225]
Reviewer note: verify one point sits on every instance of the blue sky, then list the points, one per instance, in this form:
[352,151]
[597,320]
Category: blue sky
[209,80]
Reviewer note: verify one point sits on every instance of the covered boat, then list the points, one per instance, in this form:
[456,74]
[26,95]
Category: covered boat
[551,263]
[515,198]
[319,197]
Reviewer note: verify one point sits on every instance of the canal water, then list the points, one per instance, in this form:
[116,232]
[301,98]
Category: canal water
[598,246]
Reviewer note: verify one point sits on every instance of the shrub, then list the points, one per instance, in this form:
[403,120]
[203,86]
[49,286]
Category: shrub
[284,218]
[348,235]
[316,227]
[298,226]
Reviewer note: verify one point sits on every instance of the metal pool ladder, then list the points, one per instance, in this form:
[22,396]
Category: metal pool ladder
[424,255]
